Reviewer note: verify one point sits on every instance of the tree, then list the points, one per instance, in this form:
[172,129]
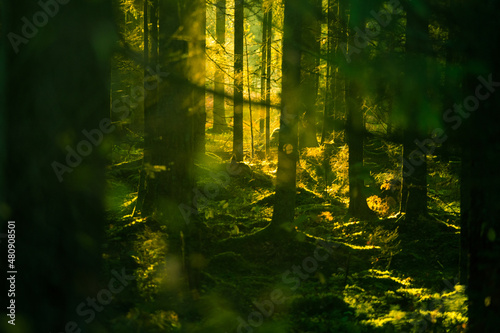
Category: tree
[263,67]
[197,44]
[336,34]
[355,138]
[284,205]
[219,78]
[269,36]
[53,168]
[414,185]
[310,62]
[150,101]
[265,83]
[478,119]
[170,180]
[238,81]
[338,88]
[355,129]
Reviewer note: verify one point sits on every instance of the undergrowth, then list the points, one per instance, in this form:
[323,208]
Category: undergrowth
[376,280]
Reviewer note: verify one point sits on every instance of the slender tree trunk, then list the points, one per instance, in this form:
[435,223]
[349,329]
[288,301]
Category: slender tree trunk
[249,89]
[340,84]
[339,91]
[219,79]
[284,205]
[146,38]
[238,81]
[142,177]
[333,13]
[310,64]
[263,67]
[269,35]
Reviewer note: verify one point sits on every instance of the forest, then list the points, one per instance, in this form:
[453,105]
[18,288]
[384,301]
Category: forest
[250,166]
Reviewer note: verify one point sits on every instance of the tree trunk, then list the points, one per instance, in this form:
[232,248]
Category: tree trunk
[238,81]
[331,72]
[269,35]
[338,91]
[414,187]
[310,63]
[219,79]
[355,129]
[142,176]
[54,114]
[263,67]
[196,31]
[481,50]
[355,135]
[146,192]
[195,26]
[249,90]
[150,96]
[284,205]
[466,185]
[170,176]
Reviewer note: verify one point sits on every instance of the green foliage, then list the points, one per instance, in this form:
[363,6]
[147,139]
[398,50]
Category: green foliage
[322,313]
[151,250]
[389,245]
[146,321]
[443,184]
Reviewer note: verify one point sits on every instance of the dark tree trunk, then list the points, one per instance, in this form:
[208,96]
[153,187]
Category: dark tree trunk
[284,205]
[481,47]
[338,91]
[481,208]
[354,135]
[146,39]
[331,72]
[335,103]
[170,179]
[310,62]
[150,96]
[238,81]
[219,84]
[355,130]
[195,26]
[55,103]
[173,145]
[466,178]
[414,187]
[146,192]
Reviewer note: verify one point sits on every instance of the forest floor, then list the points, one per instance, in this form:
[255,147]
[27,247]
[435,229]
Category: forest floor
[333,273]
